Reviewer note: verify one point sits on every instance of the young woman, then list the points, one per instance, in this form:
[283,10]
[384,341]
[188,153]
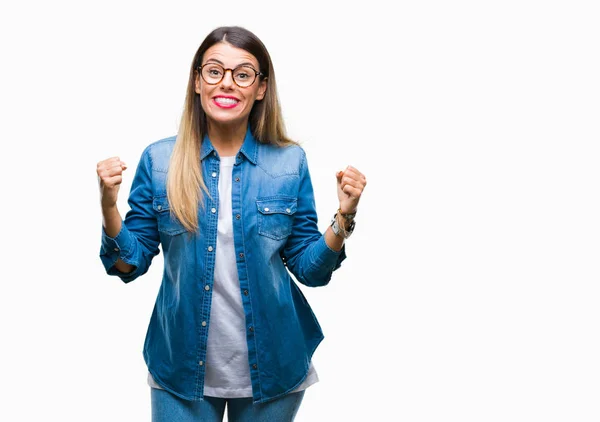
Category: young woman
[231,203]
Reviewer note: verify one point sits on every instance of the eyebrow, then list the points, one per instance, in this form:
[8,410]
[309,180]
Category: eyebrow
[221,63]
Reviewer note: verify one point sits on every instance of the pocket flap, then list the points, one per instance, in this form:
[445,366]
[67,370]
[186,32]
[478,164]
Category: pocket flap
[277,205]
[160,204]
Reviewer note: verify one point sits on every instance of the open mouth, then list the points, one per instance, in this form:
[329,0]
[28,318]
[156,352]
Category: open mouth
[226,102]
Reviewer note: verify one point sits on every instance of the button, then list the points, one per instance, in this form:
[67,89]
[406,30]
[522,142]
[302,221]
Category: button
[159,207]
[204,323]
[116,249]
[213,210]
[210,248]
[237,179]
[245,292]
[201,363]
[251,329]
[237,216]
[288,210]
[266,209]
[254,366]
[241,254]
[214,174]
[207,287]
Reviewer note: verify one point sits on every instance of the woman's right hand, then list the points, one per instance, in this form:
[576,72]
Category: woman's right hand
[110,176]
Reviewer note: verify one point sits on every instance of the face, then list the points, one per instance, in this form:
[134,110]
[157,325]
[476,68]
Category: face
[227,103]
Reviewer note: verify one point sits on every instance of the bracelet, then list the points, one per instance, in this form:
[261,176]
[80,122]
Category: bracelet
[349,216]
[340,229]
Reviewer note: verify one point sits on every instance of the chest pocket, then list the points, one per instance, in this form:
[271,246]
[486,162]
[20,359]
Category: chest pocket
[276,216]
[166,223]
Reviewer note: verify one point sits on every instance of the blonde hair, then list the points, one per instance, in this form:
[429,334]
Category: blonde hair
[185,184]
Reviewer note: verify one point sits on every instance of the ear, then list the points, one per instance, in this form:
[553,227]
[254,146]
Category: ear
[262,89]
[197,83]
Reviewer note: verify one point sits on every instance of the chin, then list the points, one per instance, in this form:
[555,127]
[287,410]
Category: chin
[224,120]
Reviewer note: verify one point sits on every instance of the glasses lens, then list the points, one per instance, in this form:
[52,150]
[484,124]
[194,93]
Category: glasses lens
[212,73]
[244,75]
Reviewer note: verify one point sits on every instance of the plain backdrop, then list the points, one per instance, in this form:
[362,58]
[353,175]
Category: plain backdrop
[471,288]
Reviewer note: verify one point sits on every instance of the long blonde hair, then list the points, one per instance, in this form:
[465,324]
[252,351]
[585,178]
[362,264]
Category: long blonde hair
[185,184]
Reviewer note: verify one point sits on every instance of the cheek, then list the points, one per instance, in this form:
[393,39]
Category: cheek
[205,92]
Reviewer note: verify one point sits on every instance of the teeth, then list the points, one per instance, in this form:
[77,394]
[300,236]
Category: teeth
[226,101]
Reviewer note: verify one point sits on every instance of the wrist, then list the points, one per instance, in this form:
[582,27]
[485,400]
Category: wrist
[346,210]
[345,214]
[342,226]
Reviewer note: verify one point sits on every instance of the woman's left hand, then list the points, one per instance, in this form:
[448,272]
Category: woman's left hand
[350,185]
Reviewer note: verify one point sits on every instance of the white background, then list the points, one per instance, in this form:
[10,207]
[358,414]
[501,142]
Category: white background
[471,288]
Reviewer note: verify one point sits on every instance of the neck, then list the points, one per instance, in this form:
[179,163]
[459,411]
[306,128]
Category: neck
[227,139]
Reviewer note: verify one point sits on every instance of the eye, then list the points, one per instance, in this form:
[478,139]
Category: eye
[244,73]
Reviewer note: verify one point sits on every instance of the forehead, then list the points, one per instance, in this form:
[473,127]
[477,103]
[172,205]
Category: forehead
[229,55]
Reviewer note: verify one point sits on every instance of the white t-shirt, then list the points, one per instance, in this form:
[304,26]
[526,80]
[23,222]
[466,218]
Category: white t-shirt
[227,368]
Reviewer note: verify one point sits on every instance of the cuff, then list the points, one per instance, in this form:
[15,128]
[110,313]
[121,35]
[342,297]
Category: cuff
[325,257]
[112,248]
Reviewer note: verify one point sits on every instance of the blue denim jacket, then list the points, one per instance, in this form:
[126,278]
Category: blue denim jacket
[274,229]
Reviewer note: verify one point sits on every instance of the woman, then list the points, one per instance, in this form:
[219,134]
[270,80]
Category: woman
[231,202]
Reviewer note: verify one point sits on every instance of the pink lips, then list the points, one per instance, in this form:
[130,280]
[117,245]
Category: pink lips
[228,104]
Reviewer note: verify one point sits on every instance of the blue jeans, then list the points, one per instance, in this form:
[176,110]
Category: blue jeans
[167,407]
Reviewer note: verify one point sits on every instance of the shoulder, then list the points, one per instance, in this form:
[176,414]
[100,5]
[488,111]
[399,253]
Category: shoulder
[158,153]
[281,160]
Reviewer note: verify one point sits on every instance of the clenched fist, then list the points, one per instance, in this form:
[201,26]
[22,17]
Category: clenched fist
[350,185]
[110,176]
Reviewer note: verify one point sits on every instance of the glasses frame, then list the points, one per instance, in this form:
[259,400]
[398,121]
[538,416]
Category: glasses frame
[256,73]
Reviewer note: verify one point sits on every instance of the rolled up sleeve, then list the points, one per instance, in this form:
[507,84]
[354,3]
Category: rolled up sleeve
[307,255]
[137,242]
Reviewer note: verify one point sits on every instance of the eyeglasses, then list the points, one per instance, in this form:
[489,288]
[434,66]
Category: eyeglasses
[243,75]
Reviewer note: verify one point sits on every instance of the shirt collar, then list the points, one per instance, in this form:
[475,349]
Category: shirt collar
[249,147]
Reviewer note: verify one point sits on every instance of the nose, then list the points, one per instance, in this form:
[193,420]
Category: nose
[227,81]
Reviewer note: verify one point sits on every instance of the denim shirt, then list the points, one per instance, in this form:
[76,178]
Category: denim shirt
[275,233]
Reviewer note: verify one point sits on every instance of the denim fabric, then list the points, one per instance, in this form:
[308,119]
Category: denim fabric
[275,234]
[167,408]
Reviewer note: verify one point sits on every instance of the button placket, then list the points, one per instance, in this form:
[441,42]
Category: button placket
[209,257]
[242,267]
